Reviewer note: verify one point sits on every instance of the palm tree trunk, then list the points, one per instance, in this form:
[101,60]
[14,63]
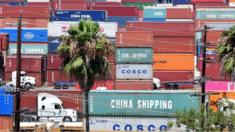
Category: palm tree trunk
[87,110]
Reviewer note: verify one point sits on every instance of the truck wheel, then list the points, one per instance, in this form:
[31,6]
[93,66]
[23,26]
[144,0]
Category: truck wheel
[28,86]
[67,119]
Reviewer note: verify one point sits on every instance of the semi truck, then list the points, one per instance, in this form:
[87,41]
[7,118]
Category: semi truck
[171,85]
[26,81]
[49,108]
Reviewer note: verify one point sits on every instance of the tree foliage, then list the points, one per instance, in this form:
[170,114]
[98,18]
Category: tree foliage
[226,50]
[84,53]
[213,120]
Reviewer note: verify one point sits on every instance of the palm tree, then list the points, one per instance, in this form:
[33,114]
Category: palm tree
[84,53]
[226,50]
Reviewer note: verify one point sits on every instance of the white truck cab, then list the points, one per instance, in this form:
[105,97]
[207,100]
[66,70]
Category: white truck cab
[26,81]
[50,107]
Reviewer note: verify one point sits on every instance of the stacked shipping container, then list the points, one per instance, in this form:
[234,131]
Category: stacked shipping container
[171,57]
[134,60]
[219,19]
[135,110]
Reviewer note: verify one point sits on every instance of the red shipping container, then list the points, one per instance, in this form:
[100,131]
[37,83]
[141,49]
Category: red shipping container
[29,22]
[208,1]
[53,61]
[164,28]
[213,69]
[171,76]
[211,4]
[134,84]
[174,45]
[69,1]
[104,4]
[117,10]
[28,63]
[39,4]
[39,76]
[109,84]
[71,6]
[4,42]
[141,14]
[6,123]
[26,11]
[72,99]
[179,13]
[140,1]
[134,39]
[213,37]
[57,75]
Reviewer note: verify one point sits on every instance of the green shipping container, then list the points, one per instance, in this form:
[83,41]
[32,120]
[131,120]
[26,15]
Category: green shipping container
[215,15]
[134,55]
[140,5]
[41,49]
[154,13]
[141,103]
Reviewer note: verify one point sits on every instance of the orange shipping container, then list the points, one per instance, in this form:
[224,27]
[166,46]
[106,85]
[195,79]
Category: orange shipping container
[165,61]
[134,84]
[214,98]
[28,22]
[6,123]
[134,39]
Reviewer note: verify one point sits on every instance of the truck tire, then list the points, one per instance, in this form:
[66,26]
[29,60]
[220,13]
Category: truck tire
[67,119]
[28,85]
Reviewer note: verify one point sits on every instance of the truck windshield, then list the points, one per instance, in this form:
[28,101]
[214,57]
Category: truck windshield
[57,106]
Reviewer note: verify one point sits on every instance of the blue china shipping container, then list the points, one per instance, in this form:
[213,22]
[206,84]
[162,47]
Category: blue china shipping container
[6,103]
[76,15]
[28,34]
[141,103]
[122,20]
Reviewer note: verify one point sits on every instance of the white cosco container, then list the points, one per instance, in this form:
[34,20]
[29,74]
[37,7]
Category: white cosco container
[134,71]
[135,124]
[58,28]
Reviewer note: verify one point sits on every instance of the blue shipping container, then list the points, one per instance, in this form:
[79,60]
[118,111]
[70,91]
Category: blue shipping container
[28,34]
[154,19]
[175,2]
[121,20]
[154,13]
[6,103]
[53,44]
[76,15]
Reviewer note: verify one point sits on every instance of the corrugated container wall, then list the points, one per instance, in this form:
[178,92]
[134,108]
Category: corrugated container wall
[166,29]
[150,103]
[6,123]
[6,103]
[134,39]
[133,84]
[118,10]
[4,42]
[134,55]
[173,62]
[27,11]
[29,63]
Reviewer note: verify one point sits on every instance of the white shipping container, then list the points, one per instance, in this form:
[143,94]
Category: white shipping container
[220,25]
[134,71]
[232,4]
[58,28]
[140,124]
